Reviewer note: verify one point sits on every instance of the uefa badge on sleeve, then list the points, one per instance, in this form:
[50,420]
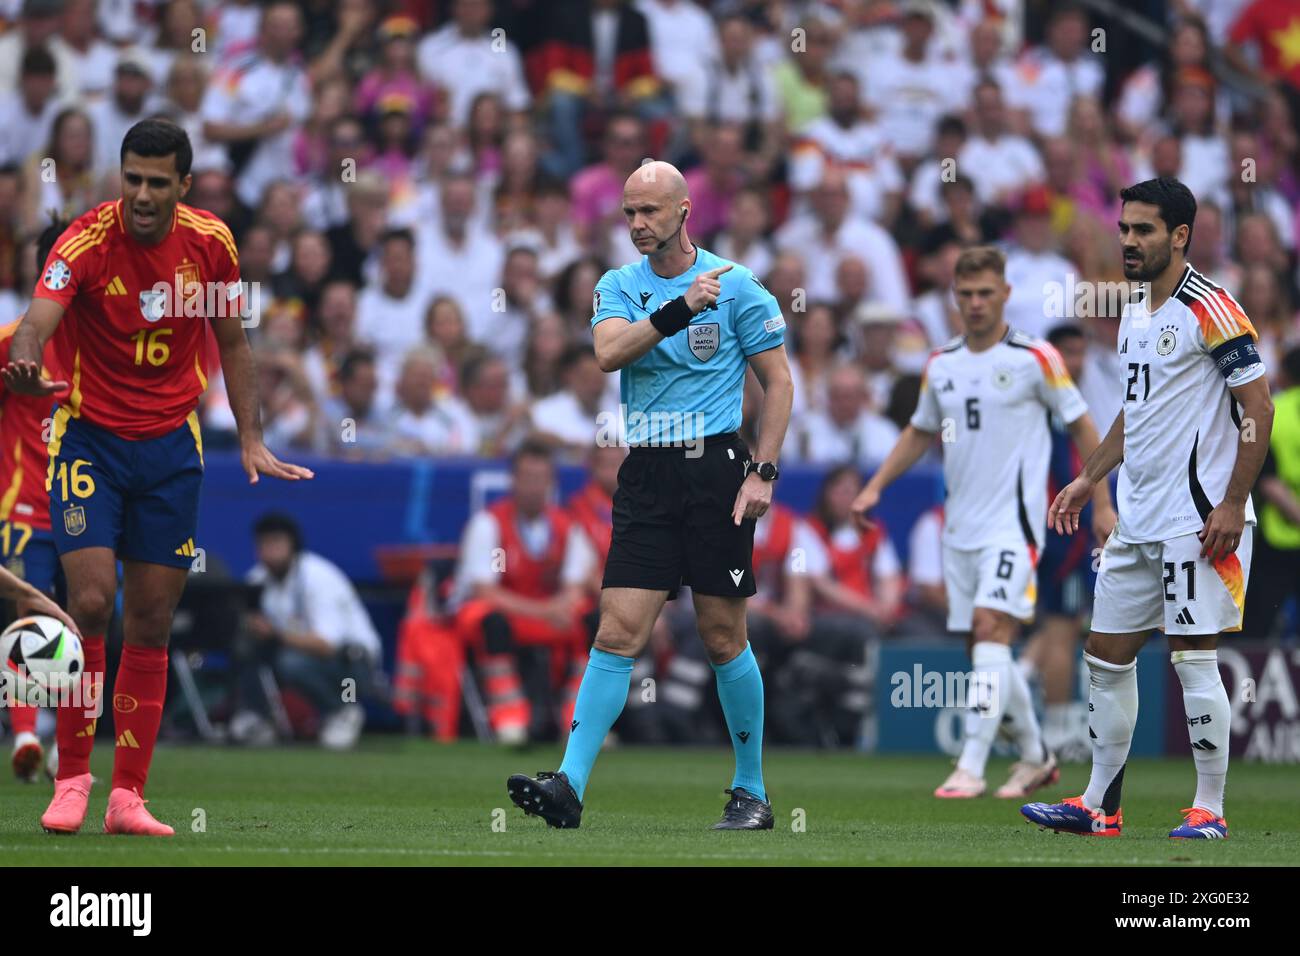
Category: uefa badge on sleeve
[57,276]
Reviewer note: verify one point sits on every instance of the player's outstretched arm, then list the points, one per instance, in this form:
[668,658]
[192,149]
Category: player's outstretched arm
[907,451]
[237,366]
[1084,435]
[1063,515]
[32,601]
[22,374]
[1227,522]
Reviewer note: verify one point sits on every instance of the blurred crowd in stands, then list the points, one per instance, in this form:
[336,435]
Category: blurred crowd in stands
[426,192]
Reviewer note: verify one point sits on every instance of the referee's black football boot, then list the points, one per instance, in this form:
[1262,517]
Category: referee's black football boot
[549,796]
[744,811]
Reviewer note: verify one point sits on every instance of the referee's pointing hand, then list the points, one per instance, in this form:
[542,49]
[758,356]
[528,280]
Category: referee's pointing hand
[706,288]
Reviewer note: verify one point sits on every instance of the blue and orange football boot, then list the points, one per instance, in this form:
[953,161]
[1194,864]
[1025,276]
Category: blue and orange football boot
[1200,824]
[1071,816]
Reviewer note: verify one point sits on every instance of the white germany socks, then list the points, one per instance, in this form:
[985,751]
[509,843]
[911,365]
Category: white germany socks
[1024,722]
[989,693]
[1209,720]
[1112,715]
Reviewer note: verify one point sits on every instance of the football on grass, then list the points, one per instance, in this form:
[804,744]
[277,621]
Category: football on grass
[42,660]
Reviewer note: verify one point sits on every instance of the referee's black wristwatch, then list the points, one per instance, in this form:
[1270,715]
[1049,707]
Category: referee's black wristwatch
[766,470]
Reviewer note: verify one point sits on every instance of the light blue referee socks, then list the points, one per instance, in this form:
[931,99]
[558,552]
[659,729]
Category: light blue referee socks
[601,697]
[740,688]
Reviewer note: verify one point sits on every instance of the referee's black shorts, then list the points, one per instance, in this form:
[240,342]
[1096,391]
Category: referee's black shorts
[673,525]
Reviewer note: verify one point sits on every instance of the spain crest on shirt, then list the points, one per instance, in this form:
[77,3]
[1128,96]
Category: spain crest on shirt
[188,283]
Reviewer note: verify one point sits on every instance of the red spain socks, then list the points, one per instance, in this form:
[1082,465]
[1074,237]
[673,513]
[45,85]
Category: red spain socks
[22,719]
[138,696]
[75,723]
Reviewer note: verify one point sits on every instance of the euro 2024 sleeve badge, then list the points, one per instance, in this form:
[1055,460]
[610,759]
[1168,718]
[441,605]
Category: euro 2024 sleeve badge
[57,275]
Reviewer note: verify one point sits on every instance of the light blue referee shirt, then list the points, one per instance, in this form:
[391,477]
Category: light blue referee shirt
[689,386]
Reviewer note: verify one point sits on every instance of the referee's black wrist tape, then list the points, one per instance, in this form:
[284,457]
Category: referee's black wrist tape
[672,317]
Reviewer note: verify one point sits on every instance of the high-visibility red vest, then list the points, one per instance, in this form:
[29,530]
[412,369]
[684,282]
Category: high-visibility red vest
[592,508]
[769,554]
[851,566]
[525,574]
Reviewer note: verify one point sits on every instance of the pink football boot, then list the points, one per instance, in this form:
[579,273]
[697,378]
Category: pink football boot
[127,815]
[68,808]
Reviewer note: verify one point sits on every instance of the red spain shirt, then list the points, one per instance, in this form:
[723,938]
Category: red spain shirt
[23,458]
[136,356]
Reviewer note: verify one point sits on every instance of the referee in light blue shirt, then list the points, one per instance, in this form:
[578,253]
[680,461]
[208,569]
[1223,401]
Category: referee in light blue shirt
[681,326]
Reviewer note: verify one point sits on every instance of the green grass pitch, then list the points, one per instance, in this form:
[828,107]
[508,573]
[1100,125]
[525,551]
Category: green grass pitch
[412,802]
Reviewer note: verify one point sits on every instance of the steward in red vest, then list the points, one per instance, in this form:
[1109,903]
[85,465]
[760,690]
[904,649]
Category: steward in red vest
[854,583]
[514,595]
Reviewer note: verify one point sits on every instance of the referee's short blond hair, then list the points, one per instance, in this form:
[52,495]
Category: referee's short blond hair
[981,259]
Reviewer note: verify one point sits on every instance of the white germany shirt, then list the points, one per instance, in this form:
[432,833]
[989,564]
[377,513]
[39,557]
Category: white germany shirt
[1180,419]
[991,409]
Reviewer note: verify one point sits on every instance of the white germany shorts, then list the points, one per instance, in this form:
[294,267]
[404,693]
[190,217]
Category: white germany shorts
[1168,585]
[1002,577]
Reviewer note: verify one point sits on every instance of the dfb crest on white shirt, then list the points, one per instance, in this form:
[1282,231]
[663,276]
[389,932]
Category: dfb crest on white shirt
[703,339]
[1168,340]
[152,305]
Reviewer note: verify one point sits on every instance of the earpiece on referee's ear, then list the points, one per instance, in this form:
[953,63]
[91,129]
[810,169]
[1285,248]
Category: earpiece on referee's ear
[685,212]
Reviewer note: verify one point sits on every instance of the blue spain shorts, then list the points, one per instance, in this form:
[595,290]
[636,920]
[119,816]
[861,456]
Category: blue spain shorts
[140,498]
[1066,580]
[29,553]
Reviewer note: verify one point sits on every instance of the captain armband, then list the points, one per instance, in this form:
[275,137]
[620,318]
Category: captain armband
[672,317]
[1238,360]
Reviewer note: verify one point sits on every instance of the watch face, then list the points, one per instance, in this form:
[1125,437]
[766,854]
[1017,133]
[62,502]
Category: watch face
[767,471]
